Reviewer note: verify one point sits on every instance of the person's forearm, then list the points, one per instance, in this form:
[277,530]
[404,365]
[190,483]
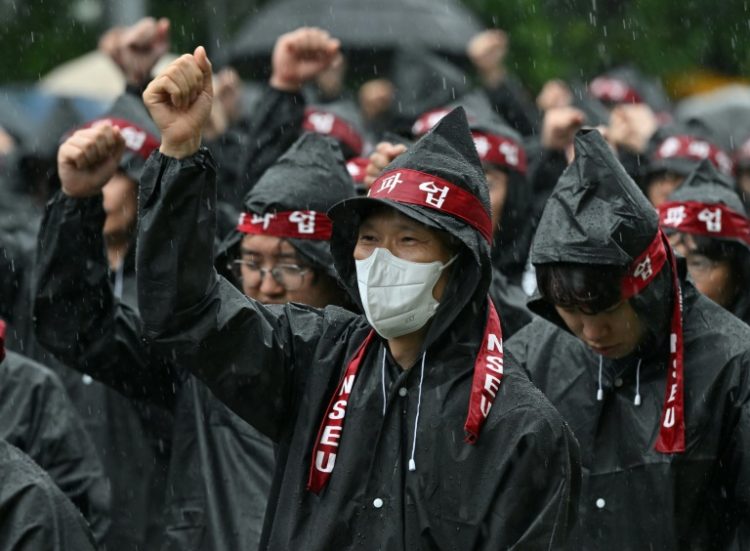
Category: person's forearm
[76,315]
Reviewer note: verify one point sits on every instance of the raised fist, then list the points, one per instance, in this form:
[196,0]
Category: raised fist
[631,126]
[384,153]
[88,159]
[180,100]
[300,56]
[559,127]
[487,52]
[136,49]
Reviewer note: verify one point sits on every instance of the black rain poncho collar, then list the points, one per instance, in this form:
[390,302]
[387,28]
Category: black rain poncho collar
[310,176]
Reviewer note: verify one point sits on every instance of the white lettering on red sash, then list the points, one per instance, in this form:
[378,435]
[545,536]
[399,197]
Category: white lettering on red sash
[435,195]
[339,410]
[675,216]
[265,219]
[389,184]
[644,270]
[305,220]
[712,219]
[327,466]
[331,435]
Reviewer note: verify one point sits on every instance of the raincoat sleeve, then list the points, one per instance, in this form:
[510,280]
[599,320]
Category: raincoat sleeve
[242,350]
[247,149]
[514,105]
[77,316]
[34,514]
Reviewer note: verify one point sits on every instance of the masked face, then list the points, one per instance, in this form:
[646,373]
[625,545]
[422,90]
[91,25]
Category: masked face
[400,272]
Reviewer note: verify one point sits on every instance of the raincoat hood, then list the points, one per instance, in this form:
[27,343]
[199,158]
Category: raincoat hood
[707,185]
[498,146]
[681,148]
[448,155]
[597,215]
[310,176]
[339,121]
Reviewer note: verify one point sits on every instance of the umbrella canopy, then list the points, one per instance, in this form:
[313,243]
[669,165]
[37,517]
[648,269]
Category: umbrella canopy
[362,26]
[93,75]
[38,119]
[725,113]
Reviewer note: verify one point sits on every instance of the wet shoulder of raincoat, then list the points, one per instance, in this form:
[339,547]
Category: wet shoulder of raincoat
[252,145]
[34,513]
[37,416]
[76,314]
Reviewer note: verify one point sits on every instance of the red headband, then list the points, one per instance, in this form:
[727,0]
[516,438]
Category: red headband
[499,150]
[323,122]
[136,138]
[428,120]
[711,219]
[642,271]
[297,224]
[613,90]
[688,147]
[357,168]
[413,187]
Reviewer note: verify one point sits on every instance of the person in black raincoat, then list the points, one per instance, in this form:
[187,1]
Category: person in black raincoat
[131,437]
[34,513]
[211,445]
[249,147]
[37,416]
[403,477]
[707,223]
[653,378]
[673,153]
[503,158]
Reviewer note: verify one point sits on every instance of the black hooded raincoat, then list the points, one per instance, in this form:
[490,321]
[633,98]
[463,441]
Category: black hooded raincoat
[633,497]
[34,513]
[279,366]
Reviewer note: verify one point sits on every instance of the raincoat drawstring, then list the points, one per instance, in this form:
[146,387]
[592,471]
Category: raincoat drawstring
[382,382]
[412,463]
[600,392]
[637,399]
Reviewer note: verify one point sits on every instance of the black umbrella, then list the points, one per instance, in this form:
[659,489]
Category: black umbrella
[364,27]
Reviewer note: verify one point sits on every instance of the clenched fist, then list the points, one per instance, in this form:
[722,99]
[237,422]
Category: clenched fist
[300,56]
[384,153]
[88,159]
[180,100]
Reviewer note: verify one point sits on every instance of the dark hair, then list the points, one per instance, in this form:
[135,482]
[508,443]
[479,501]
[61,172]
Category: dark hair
[718,249]
[591,287]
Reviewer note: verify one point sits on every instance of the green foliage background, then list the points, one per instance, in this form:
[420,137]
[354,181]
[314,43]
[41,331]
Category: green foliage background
[549,38]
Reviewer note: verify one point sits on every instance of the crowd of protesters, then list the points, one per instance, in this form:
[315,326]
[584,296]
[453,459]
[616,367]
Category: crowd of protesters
[314,321]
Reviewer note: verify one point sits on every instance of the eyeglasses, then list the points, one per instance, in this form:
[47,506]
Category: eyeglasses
[289,276]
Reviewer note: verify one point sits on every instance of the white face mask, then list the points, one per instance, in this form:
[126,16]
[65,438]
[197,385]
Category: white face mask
[397,294]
